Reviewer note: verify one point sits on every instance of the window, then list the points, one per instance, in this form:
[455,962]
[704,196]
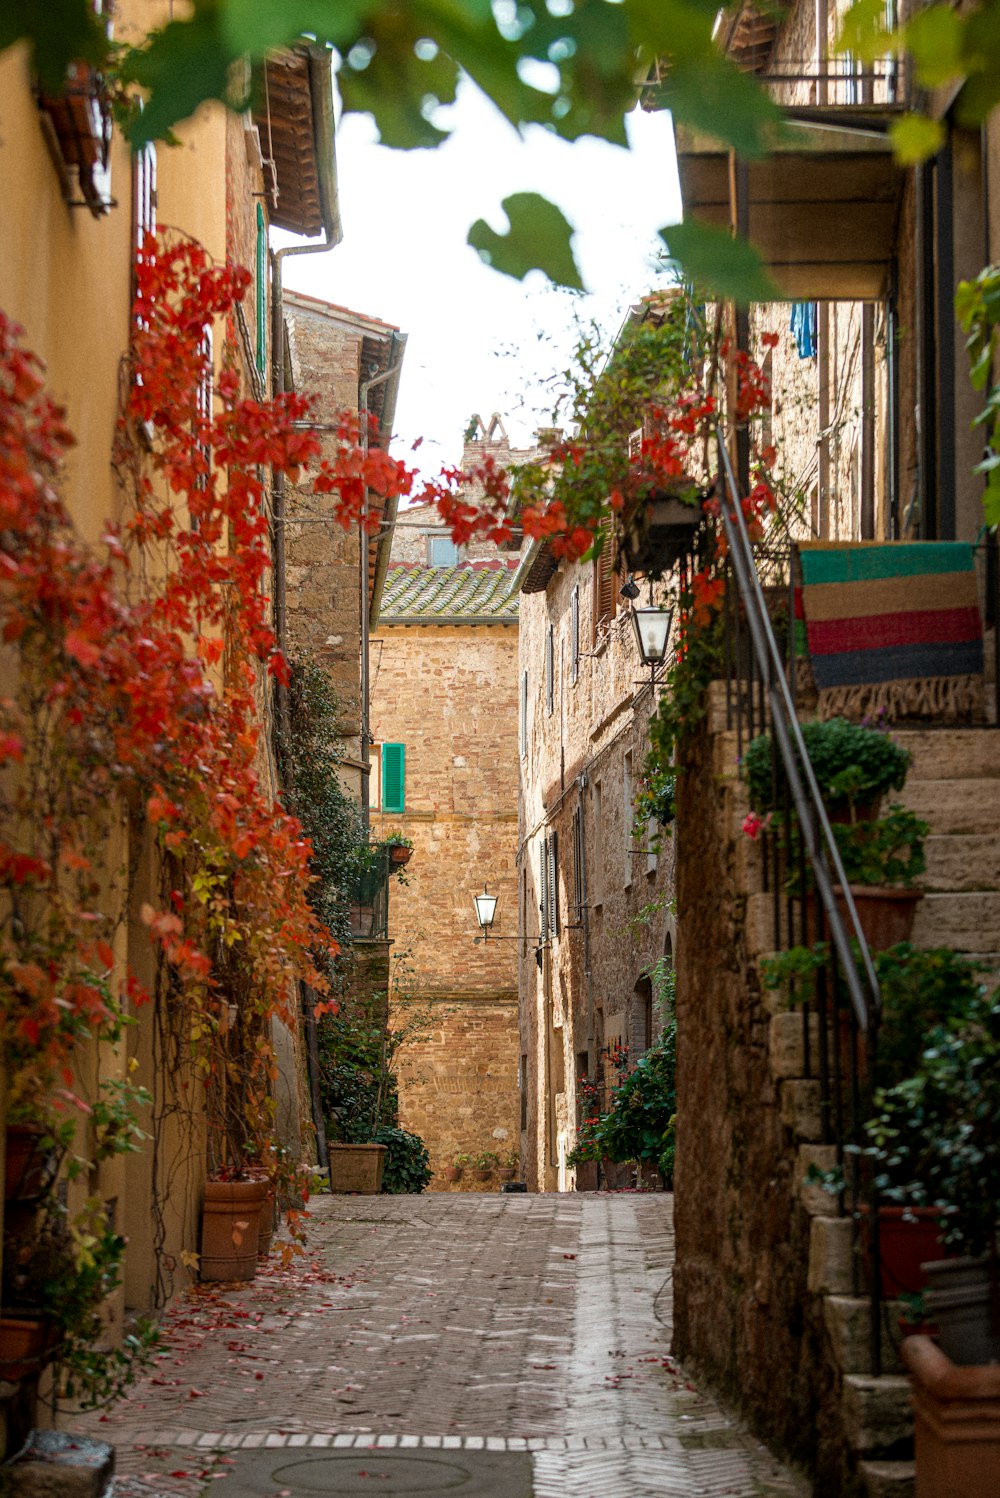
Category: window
[578,872]
[375,777]
[652,858]
[598,843]
[627,814]
[260,288]
[605,590]
[143,195]
[550,669]
[574,635]
[548,879]
[394,777]
[523,1084]
[77,125]
[441,551]
[524,714]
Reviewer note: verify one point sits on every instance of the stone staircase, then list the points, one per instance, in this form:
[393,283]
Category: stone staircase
[954,784]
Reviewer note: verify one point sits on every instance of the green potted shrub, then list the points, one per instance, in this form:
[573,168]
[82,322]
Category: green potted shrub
[855,766]
[507,1168]
[407,1167]
[400,848]
[933,1142]
[483,1164]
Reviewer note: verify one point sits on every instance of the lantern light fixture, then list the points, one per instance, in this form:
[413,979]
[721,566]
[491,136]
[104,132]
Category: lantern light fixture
[652,633]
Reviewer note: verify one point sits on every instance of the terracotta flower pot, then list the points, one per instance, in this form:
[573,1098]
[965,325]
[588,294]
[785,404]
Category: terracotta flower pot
[29,1166]
[399,854]
[659,532]
[907,1238]
[27,1343]
[957,1423]
[480,1174]
[885,912]
[356,1168]
[230,1229]
[506,1172]
[452,1173]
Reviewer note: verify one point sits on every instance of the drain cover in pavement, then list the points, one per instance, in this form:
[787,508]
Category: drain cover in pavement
[466,1474]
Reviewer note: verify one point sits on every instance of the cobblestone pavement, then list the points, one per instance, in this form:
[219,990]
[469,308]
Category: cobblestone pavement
[453,1325]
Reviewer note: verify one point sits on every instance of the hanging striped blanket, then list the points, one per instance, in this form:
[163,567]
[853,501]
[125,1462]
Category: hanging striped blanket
[892,627]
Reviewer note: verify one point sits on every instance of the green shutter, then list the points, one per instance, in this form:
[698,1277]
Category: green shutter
[261,290]
[394,777]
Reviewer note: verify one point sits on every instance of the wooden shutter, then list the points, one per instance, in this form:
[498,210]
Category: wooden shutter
[605,590]
[550,669]
[394,777]
[543,885]
[552,884]
[261,293]
[574,631]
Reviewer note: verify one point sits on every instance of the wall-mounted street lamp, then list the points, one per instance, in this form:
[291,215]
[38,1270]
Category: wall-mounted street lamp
[652,633]
[486,909]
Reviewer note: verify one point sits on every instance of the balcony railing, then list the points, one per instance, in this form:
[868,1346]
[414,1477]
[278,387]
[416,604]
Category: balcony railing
[839,83]
[368,897]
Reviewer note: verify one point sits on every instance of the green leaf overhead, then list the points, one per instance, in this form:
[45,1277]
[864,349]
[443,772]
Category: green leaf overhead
[719,264]
[58,34]
[538,239]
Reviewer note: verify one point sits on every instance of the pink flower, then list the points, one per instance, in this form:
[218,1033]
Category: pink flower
[752,824]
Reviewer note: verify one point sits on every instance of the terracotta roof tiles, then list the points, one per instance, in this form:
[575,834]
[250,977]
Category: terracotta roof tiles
[467,592]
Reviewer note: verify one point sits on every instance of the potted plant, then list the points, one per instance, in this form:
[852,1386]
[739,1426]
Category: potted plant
[855,766]
[933,1142]
[658,528]
[453,1172]
[483,1164]
[400,848]
[656,800]
[507,1168]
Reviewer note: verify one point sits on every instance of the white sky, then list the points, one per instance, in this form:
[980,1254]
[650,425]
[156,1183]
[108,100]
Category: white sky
[478,340]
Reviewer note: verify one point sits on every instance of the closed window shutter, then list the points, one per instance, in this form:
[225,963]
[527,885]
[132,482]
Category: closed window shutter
[574,668]
[553,886]
[543,883]
[550,669]
[605,592]
[394,777]
[261,290]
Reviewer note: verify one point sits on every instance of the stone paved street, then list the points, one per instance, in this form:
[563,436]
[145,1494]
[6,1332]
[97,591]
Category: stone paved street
[476,1344]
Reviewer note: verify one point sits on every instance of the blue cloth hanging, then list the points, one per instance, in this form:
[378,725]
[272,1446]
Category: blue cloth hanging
[803,326]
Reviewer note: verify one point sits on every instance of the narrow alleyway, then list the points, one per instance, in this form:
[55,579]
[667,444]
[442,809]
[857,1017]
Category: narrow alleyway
[490,1345]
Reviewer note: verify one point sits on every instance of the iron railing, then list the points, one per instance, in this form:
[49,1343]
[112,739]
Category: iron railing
[839,83]
[368,897]
[845,1000]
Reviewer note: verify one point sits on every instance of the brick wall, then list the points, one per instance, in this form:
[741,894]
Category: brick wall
[449,694]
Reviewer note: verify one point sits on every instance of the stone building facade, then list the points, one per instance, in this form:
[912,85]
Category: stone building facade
[444,722]
[593,895]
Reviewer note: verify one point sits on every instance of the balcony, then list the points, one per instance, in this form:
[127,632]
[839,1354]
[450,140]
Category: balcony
[368,898]
[824,204]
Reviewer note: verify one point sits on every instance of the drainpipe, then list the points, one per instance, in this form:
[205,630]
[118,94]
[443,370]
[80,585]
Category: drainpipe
[868,421]
[581,785]
[321,92]
[363,543]
[822,521]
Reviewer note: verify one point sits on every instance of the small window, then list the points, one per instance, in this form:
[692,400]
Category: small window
[578,877]
[550,670]
[375,777]
[598,843]
[394,777]
[627,815]
[441,551]
[605,587]
[552,883]
[574,635]
[523,1081]
[524,714]
[260,352]
[543,889]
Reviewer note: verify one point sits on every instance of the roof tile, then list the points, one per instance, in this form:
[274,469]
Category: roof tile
[468,590]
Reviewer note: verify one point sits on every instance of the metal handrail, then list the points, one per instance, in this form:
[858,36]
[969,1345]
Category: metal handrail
[812,815]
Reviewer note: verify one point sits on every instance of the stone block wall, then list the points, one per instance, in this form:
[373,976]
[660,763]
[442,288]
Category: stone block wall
[741,1308]
[458,1078]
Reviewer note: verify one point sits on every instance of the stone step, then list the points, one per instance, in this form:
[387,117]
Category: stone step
[877,1414]
[888,1479]
[967,922]
[958,807]
[847,1319]
[958,863]
[814,1199]
[951,753]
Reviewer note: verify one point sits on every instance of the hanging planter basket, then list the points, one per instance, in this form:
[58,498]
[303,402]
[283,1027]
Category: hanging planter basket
[660,531]
[399,854]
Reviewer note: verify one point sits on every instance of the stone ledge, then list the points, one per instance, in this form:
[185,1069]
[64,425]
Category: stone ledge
[877,1412]
[831,1255]
[56,1464]
[888,1479]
